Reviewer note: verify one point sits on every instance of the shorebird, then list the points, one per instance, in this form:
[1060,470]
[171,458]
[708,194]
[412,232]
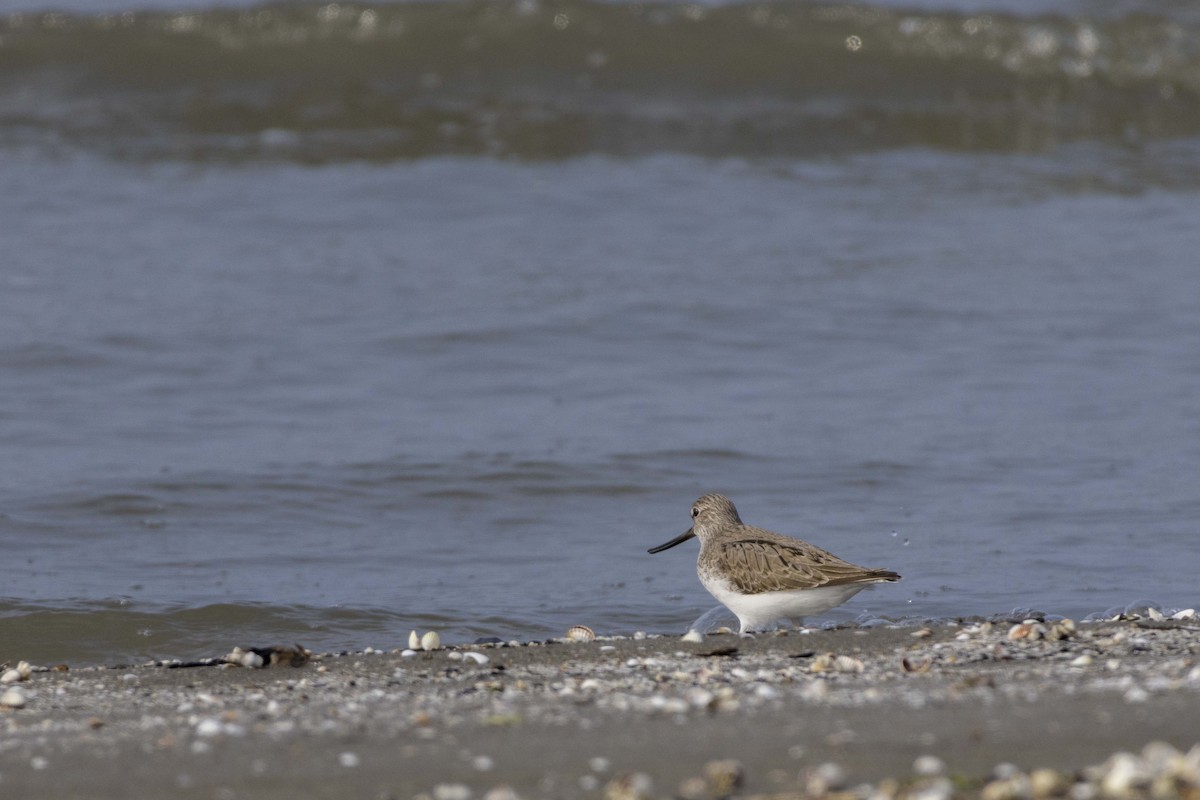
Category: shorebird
[762,576]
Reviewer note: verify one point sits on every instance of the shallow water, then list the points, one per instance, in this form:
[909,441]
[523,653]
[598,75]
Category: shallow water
[254,397]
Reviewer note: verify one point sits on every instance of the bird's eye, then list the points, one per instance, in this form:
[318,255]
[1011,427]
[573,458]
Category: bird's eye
[695,512]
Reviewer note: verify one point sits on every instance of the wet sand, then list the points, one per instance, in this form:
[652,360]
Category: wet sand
[566,719]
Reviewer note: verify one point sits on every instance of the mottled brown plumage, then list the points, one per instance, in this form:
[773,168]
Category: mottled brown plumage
[757,573]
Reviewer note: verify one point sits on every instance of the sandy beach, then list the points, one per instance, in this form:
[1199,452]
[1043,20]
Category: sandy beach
[785,715]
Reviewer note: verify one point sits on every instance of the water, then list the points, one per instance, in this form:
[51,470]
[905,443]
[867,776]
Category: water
[312,334]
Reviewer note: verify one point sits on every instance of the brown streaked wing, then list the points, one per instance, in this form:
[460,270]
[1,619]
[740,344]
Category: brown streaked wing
[755,566]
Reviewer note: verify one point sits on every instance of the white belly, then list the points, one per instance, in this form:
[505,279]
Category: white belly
[761,611]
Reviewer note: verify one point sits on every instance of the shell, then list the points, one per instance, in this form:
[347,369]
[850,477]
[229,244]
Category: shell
[414,641]
[13,697]
[580,633]
[431,641]
[822,663]
[1030,630]
[911,665]
[693,636]
[20,672]
[1063,629]
[478,658]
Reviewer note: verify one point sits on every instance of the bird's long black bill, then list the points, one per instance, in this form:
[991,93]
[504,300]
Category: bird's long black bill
[680,539]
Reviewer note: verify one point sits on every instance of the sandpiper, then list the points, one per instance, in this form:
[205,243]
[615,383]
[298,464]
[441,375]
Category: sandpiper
[762,576]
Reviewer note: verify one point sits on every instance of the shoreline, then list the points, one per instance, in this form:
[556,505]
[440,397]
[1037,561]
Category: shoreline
[642,716]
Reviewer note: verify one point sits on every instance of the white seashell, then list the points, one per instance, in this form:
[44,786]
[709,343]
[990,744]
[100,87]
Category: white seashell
[1082,661]
[1155,614]
[693,636]
[20,672]
[478,658]
[409,653]
[580,633]
[848,664]
[1187,613]
[454,655]
[431,641]
[13,697]
[414,641]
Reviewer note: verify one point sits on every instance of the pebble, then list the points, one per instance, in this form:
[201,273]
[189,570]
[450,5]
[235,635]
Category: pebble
[1048,783]
[433,701]
[724,777]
